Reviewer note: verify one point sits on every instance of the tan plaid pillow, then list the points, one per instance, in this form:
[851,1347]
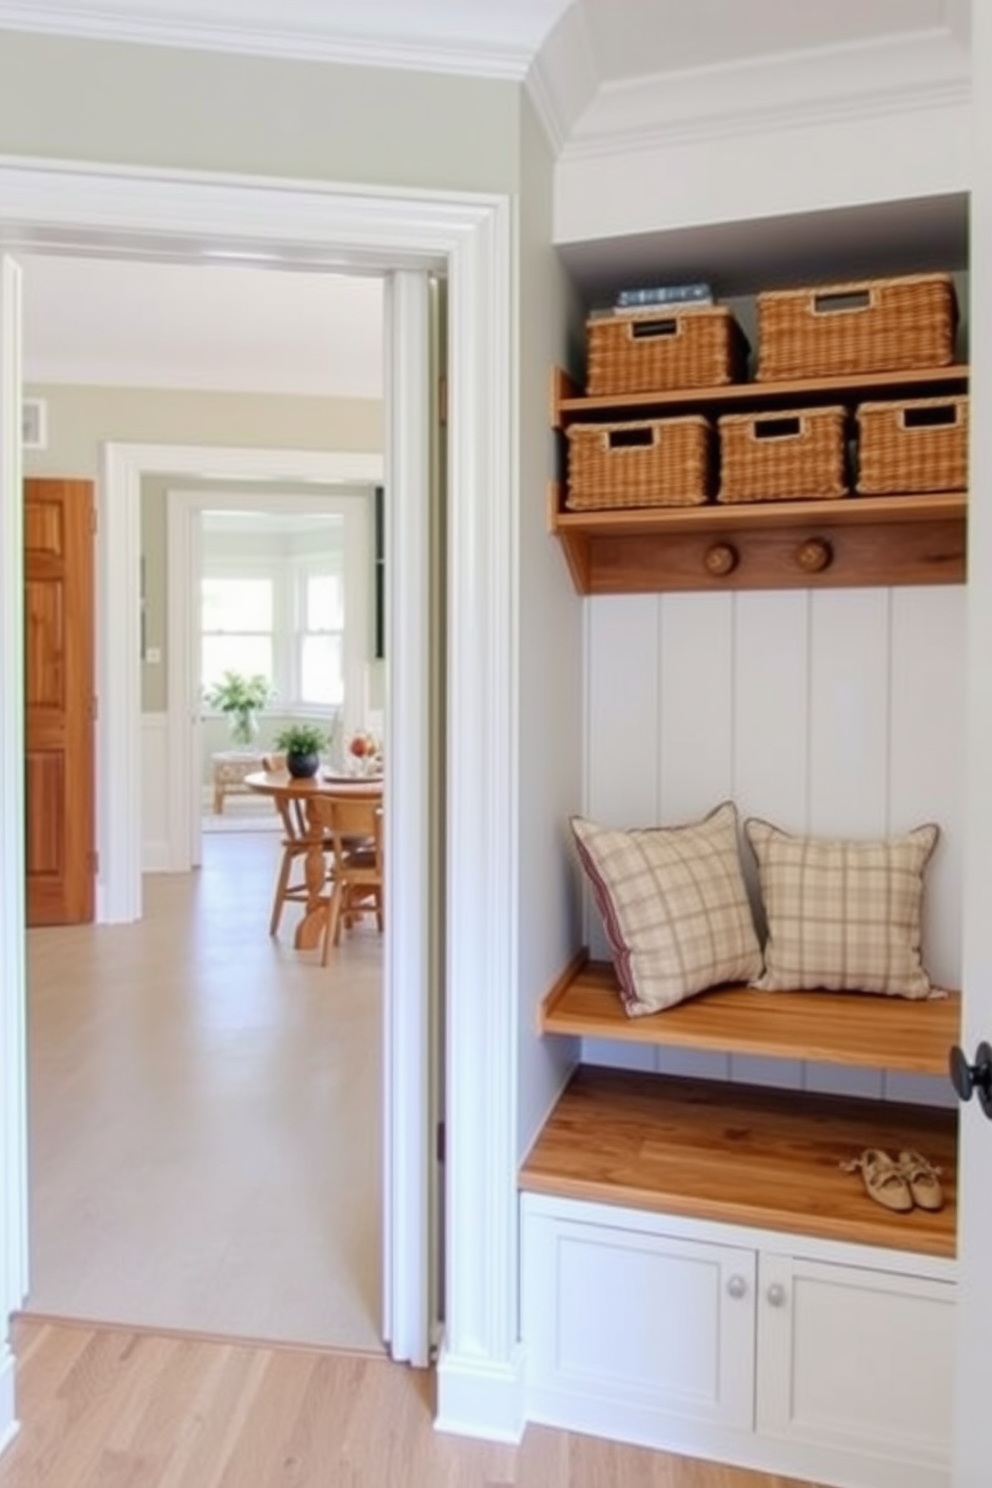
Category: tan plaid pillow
[674,907]
[843,915]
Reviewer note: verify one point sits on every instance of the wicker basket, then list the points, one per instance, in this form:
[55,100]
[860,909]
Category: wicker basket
[652,462]
[790,456]
[664,350]
[919,444]
[874,325]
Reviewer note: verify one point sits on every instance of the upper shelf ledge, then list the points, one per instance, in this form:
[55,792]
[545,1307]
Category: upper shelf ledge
[856,541]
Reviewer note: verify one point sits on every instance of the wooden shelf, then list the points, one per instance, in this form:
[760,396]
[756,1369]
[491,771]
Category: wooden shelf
[858,540]
[739,1154]
[830,1027]
[568,403]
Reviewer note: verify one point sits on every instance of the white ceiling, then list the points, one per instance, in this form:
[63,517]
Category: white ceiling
[652,61]
[89,320]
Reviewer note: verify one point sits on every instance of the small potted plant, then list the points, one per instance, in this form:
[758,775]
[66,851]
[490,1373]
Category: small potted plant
[242,698]
[301,743]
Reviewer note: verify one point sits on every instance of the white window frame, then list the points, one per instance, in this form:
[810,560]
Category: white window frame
[244,568]
[306,568]
[357,509]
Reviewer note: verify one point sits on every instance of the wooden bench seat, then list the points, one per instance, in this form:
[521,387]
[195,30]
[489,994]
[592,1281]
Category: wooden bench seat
[829,1027]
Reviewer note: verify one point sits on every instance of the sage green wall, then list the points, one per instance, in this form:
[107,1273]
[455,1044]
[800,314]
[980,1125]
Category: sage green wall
[166,107]
[82,419]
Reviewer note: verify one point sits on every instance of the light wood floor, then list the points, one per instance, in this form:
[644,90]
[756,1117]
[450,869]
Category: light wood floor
[204,1126]
[119,1409]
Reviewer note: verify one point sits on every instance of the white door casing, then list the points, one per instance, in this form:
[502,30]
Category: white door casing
[13,1071]
[467,239]
[974,1317]
[183,569]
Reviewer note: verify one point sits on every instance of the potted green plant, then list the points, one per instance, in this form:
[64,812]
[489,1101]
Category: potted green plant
[242,698]
[301,743]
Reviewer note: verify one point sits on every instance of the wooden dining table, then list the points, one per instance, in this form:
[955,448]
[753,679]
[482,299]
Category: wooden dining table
[289,793]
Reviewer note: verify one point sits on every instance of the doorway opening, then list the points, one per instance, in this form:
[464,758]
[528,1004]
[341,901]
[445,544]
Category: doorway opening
[190,1202]
[46,206]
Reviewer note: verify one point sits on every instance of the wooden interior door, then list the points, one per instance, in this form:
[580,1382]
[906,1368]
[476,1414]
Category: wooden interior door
[59,701]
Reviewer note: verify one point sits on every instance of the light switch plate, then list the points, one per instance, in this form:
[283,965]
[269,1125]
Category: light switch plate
[34,424]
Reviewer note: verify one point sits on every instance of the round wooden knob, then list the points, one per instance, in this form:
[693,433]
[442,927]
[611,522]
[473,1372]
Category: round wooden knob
[720,559]
[815,555]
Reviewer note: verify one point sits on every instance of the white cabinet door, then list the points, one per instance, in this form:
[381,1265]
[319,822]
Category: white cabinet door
[639,1319]
[856,1359]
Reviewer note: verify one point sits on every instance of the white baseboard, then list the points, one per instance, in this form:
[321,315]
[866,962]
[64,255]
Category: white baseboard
[481,1399]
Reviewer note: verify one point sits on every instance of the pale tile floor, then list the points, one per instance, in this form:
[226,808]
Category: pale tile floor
[205,1129]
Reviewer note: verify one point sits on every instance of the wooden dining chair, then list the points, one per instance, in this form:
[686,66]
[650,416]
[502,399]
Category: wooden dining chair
[353,826]
[291,881]
[291,885]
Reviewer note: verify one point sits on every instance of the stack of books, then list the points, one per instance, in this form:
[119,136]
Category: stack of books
[653,296]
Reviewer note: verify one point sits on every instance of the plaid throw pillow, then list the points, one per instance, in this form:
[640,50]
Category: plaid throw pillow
[674,907]
[843,915]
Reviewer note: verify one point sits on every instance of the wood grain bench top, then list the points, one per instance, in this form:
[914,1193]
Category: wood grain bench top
[830,1027]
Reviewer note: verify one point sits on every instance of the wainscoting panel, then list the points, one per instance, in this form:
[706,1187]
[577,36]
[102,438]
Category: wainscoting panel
[838,712]
[695,704]
[155,852]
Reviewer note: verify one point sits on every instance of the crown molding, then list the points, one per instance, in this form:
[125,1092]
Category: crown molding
[314,40]
[564,77]
[829,86]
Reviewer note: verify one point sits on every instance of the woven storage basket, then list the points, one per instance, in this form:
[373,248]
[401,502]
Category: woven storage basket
[783,456]
[874,325]
[918,444]
[664,350]
[651,462]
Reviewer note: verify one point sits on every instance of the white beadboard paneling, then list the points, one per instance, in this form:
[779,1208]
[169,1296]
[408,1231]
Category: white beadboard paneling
[919,1090]
[754,1069]
[155,848]
[771,712]
[621,724]
[696,705]
[616,1054]
[843,1079]
[622,710]
[926,772]
[849,712]
[696,1064]
[837,712]
[771,715]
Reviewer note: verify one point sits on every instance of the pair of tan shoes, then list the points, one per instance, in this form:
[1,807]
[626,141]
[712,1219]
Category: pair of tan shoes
[901,1183]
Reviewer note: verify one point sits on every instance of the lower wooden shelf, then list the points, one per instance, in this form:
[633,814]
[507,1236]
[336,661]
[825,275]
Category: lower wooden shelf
[830,1027]
[740,1154]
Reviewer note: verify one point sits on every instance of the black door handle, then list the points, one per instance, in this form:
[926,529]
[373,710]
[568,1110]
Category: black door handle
[967,1078]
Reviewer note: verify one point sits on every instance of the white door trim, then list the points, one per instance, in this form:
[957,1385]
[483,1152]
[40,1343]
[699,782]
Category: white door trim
[132,213]
[119,796]
[183,509]
[13,1044]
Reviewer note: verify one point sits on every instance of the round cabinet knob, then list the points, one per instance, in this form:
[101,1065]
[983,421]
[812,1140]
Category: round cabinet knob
[721,559]
[776,1294]
[967,1078]
[814,555]
[737,1287]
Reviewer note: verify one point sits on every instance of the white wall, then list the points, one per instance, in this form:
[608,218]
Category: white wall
[742,170]
[550,648]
